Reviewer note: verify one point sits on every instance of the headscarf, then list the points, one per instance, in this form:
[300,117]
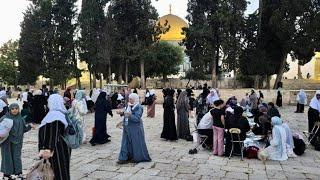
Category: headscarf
[315,103]
[276,131]
[182,100]
[2,94]
[57,111]
[212,97]
[102,99]
[120,97]
[238,112]
[37,92]
[289,135]
[80,95]
[136,99]
[302,96]
[275,121]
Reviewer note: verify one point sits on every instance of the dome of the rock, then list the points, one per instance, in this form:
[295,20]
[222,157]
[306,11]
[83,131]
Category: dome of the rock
[176,24]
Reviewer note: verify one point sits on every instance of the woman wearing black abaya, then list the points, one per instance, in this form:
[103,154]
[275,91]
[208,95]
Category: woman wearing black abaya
[51,143]
[236,120]
[169,127]
[39,107]
[102,108]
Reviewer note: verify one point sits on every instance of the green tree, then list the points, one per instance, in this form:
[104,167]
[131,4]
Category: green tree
[163,59]
[91,22]
[233,23]
[64,13]
[286,29]
[8,58]
[136,32]
[30,52]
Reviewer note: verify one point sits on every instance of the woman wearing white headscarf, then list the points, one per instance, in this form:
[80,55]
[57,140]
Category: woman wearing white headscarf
[314,109]
[301,101]
[3,106]
[278,149]
[51,143]
[212,97]
[79,109]
[133,145]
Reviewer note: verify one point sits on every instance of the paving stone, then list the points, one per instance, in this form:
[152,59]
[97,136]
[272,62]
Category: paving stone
[131,170]
[151,172]
[186,169]
[236,175]
[123,176]
[169,174]
[188,176]
[276,174]
[145,165]
[103,175]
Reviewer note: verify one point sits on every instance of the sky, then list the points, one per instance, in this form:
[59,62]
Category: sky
[11,14]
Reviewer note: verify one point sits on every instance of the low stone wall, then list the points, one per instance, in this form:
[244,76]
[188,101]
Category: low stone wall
[289,96]
[269,95]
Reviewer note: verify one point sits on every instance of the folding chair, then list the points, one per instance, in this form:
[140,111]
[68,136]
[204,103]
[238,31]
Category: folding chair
[236,132]
[201,138]
[311,135]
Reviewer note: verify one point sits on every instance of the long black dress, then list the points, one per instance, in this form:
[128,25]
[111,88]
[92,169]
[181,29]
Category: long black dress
[169,127]
[102,108]
[279,99]
[243,125]
[50,137]
[38,110]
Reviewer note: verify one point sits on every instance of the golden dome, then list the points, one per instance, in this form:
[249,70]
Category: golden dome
[176,24]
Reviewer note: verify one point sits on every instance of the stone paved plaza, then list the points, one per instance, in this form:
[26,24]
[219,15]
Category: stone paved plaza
[170,160]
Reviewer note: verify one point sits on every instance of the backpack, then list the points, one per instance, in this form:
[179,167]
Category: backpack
[251,152]
[73,134]
[150,100]
[5,127]
[299,146]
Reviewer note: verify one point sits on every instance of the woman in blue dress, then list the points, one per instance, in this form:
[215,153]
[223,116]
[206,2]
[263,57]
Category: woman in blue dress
[133,145]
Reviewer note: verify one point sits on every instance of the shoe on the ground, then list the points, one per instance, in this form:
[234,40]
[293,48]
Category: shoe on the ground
[122,162]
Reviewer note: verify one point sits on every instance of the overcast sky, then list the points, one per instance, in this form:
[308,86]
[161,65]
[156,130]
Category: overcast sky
[11,14]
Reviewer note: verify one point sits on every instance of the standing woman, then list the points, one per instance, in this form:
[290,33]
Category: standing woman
[313,112]
[79,109]
[102,108]
[279,97]
[39,107]
[51,143]
[169,126]
[183,128]
[133,145]
[152,106]
[301,101]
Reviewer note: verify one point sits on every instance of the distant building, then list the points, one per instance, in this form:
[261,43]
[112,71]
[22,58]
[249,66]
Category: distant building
[175,36]
[312,67]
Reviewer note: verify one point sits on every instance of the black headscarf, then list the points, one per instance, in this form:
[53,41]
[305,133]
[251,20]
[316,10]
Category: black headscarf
[102,99]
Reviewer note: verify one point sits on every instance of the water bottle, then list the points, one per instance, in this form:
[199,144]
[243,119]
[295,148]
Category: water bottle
[126,120]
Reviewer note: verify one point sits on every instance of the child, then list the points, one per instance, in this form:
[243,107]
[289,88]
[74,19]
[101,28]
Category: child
[218,127]
[11,148]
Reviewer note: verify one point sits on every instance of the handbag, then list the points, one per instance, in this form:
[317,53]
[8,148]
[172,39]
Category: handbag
[41,171]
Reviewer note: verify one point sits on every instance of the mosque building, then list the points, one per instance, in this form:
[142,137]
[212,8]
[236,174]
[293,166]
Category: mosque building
[175,36]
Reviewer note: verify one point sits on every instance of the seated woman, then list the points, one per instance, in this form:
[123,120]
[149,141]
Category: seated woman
[205,128]
[289,140]
[236,120]
[272,110]
[263,126]
[277,150]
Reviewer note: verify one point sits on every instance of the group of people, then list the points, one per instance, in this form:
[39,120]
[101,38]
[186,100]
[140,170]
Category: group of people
[222,116]
[214,119]
[54,123]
